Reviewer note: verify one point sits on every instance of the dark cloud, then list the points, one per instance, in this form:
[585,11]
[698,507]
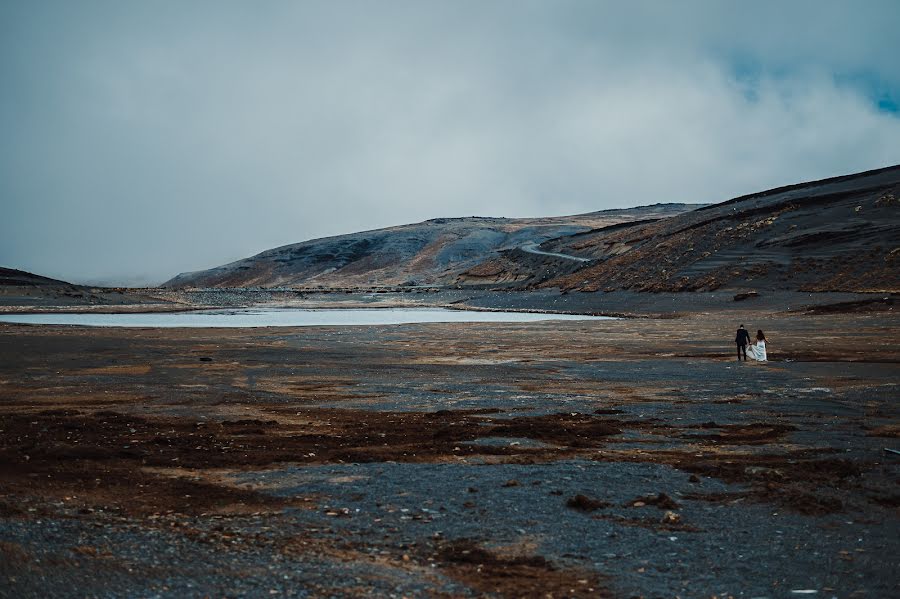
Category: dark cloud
[145,139]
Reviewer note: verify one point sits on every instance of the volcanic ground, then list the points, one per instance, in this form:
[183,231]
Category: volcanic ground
[625,458]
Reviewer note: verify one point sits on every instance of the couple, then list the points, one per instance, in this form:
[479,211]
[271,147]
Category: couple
[756,349]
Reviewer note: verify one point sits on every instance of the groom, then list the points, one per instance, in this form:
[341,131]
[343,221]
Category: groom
[742,339]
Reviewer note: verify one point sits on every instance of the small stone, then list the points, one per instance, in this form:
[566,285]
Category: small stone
[671,518]
[586,504]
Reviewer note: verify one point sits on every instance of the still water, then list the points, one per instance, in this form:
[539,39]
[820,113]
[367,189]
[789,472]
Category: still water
[286,317]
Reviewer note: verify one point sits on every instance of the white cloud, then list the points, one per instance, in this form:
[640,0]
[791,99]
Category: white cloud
[152,139]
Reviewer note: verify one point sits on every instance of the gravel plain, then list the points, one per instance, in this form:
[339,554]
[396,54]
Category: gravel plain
[626,458]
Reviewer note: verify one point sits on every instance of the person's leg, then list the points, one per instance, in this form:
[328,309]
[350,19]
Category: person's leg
[739,346]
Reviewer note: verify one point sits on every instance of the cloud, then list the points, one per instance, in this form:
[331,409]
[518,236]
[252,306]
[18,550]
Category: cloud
[144,140]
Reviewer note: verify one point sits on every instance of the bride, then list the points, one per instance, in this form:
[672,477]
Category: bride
[757,350]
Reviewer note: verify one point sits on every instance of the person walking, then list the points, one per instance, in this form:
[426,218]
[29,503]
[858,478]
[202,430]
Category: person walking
[758,349]
[742,339]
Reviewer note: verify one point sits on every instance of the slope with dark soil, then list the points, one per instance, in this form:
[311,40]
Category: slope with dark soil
[839,234]
[22,291]
[21,278]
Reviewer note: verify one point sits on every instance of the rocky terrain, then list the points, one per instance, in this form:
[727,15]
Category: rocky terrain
[631,458]
[433,252]
[617,458]
[840,234]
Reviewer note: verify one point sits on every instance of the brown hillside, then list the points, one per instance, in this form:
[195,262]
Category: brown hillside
[839,234]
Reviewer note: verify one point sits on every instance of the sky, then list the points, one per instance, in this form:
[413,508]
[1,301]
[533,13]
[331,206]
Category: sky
[142,139]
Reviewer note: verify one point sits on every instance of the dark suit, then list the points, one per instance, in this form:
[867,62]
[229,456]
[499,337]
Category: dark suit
[742,340]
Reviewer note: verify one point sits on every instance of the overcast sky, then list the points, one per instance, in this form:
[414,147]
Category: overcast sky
[144,138]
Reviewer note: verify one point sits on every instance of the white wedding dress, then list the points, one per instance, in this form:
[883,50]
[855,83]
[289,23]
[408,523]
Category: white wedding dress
[758,351]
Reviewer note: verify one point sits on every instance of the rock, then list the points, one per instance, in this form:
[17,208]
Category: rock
[764,472]
[586,504]
[745,295]
[662,501]
[671,518]
[511,483]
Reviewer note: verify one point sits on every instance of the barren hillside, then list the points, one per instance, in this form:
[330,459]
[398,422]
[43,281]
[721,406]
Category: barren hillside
[433,252]
[840,234]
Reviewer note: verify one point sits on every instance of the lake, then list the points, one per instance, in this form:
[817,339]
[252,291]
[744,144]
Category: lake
[287,317]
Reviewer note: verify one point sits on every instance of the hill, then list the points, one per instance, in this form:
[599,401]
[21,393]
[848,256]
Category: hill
[10,277]
[839,234]
[434,252]
[25,291]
